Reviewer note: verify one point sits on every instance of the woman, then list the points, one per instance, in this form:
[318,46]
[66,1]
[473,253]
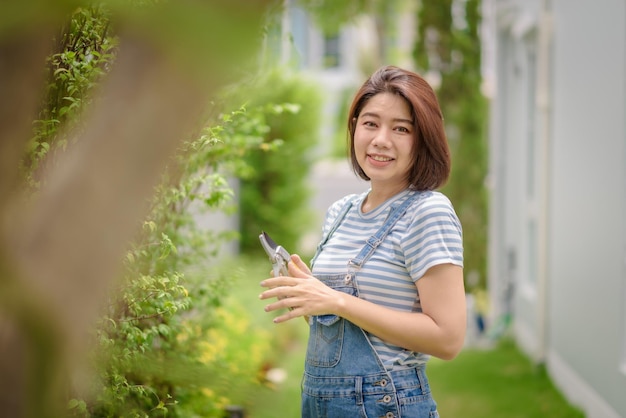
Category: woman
[385,290]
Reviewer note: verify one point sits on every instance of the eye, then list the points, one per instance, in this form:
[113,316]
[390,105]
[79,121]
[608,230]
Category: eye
[403,129]
[369,124]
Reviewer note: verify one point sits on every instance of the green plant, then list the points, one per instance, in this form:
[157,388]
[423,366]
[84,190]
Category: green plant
[170,315]
[152,352]
[84,51]
[340,143]
[450,46]
[275,197]
[165,344]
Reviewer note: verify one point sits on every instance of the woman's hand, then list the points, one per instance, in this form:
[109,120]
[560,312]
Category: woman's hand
[300,292]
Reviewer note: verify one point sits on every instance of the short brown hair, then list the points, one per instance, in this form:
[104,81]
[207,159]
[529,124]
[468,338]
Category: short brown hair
[431,154]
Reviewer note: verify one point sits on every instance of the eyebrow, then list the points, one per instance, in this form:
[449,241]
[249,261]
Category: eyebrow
[376,115]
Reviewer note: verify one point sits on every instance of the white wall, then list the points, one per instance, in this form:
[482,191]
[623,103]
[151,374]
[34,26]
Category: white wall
[517,179]
[588,193]
[558,184]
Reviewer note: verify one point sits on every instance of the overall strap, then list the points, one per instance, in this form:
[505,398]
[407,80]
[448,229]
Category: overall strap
[342,214]
[375,240]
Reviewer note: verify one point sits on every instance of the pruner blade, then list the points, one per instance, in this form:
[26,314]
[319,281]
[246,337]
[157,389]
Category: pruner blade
[279,257]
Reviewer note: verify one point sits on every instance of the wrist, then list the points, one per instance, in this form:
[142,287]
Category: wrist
[340,303]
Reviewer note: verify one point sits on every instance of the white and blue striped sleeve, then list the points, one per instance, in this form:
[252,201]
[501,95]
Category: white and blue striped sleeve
[434,236]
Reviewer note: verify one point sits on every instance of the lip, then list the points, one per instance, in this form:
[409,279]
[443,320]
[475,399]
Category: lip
[373,159]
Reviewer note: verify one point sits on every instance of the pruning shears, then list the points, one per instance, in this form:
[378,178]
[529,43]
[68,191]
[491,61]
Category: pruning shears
[279,257]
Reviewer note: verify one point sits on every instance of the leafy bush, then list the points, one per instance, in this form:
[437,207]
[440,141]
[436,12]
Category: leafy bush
[275,198]
[85,50]
[170,345]
[165,344]
[340,145]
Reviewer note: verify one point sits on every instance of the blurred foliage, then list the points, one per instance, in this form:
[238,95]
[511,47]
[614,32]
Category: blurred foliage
[275,197]
[169,316]
[166,345]
[83,52]
[341,141]
[331,15]
[449,46]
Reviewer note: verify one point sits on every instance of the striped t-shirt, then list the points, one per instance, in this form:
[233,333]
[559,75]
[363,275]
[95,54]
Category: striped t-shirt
[428,234]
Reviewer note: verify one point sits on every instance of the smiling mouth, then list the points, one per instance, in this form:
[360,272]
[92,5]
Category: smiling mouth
[380,158]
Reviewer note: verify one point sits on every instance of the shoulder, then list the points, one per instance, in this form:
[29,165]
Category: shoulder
[335,209]
[432,204]
[338,205]
[431,201]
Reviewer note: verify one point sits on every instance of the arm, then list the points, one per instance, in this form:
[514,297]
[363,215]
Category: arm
[438,330]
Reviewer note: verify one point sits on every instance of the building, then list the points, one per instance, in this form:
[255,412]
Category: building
[339,62]
[557,254]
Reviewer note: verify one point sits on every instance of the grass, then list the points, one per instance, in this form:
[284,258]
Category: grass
[281,401]
[480,383]
[496,382]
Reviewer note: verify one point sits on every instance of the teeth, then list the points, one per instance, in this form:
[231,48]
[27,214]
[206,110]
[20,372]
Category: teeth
[381,158]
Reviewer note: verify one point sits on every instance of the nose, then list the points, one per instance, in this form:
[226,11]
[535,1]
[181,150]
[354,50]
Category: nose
[382,138]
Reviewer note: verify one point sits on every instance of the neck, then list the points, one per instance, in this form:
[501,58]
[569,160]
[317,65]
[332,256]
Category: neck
[378,195]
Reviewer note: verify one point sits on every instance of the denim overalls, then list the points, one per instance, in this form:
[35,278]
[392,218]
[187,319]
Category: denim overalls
[343,375]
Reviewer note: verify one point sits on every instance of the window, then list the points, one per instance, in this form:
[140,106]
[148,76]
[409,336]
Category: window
[528,72]
[331,51]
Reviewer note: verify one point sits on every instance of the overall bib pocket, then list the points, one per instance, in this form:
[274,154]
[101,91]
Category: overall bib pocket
[327,331]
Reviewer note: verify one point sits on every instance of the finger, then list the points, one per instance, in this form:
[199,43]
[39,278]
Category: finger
[268,294]
[297,260]
[298,268]
[279,292]
[290,314]
[271,307]
[279,281]
[281,303]
[282,318]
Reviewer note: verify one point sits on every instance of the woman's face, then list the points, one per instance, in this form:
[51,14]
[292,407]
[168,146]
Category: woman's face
[384,139]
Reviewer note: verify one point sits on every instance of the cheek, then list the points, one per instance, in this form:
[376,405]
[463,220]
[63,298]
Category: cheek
[409,148]
[359,140]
